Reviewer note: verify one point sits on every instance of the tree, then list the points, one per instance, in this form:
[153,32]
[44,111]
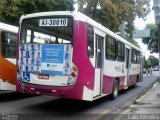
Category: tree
[131,40]
[147,64]
[152,41]
[16,8]
[153,60]
[111,13]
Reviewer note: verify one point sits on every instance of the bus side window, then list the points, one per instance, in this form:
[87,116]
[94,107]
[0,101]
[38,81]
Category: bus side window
[90,41]
[8,44]
[138,57]
[110,48]
[134,56]
[120,51]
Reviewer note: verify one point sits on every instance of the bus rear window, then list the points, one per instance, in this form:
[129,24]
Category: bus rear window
[48,30]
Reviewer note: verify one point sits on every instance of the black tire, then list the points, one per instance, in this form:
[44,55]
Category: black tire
[115,90]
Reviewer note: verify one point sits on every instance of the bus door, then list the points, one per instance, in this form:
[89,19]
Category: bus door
[99,53]
[127,66]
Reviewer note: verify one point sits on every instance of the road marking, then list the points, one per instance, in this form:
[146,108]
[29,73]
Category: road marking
[101,115]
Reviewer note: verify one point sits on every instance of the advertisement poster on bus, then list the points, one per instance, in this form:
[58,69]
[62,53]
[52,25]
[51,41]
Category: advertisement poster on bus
[55,59]
[44,59]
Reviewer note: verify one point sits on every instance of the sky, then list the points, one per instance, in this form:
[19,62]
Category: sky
[140,25]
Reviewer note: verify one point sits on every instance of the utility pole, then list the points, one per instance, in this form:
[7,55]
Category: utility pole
[122,29]
[156,8]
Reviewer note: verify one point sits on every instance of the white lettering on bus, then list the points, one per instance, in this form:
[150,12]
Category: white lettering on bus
[53,22]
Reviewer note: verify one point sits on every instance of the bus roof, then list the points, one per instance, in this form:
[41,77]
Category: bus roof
[8,28]
[81,17]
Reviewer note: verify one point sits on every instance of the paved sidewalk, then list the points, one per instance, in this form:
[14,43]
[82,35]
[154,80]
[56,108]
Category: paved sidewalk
[147,107]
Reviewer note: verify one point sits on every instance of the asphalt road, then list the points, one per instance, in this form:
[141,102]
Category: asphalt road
[24,107]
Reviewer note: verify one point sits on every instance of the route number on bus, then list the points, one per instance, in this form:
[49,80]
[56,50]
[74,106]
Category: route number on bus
[53,22]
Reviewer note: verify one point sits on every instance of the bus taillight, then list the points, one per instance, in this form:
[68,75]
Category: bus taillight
[74,68]
[74,71]
[73,74]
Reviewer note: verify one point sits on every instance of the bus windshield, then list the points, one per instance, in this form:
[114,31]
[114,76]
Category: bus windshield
[47,30]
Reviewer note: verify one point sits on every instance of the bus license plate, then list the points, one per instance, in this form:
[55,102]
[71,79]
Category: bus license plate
[43,76]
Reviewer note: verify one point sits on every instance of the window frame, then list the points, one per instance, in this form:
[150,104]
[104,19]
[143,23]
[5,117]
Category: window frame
[8,48]
[138,61]
[23,38]
[121,57]
[134,56]
[109,56]
[90,41]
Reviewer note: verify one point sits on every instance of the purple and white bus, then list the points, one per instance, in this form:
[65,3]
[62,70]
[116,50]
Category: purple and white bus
[69,55]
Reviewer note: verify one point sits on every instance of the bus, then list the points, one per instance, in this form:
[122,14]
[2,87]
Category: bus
[69,55]
[8,38]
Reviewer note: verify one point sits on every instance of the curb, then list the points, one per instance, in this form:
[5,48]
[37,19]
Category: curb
[145,91]
[134,102]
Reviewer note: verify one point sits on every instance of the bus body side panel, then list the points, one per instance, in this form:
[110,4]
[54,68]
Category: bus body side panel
[134,72]
[7,60]
[121,82]
[7,74]
[86,71]
[112,70]
[107,84]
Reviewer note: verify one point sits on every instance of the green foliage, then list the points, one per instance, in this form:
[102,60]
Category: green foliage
[111,13]
[11,10]
[147,64]
[152,41]
[151,62]
[131,40]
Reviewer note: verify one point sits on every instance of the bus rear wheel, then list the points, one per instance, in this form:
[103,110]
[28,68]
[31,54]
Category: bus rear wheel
[115,90]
